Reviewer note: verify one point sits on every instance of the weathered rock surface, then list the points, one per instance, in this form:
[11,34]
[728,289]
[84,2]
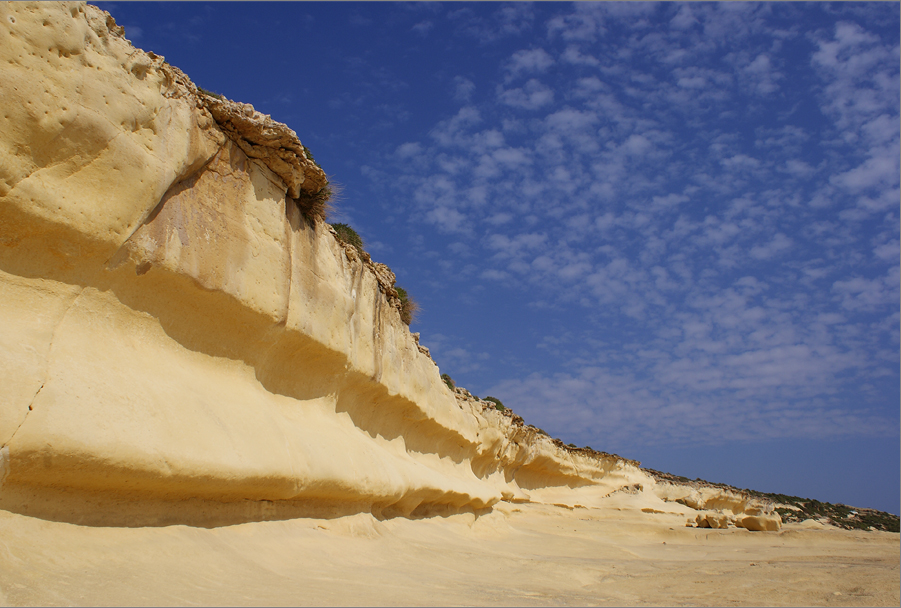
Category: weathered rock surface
[710,498]
[759,523]
[172,329]
[274,143]
[712,520]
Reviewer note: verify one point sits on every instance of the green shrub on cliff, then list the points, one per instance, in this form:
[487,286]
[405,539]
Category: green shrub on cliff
[448,381]
[348,235]
[497,403]
[408,305]
[309,155]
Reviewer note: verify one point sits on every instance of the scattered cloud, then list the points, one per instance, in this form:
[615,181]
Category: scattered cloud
[528,62]
[710,192]
[423,27]
[531,96]
[463,89]
[638,224]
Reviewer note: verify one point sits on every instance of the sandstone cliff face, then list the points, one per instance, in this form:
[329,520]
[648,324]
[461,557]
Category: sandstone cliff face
[173,328]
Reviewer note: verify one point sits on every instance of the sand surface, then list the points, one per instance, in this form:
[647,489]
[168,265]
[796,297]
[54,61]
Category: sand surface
[525,554]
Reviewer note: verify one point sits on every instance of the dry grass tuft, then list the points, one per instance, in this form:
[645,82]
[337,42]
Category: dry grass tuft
[317,206]
[408,306]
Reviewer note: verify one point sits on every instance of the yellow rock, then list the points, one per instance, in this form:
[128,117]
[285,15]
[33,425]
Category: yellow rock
[760,523]
[172,328]
[712,520]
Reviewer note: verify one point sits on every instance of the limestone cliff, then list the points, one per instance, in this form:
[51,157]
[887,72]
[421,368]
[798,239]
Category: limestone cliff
[174,328]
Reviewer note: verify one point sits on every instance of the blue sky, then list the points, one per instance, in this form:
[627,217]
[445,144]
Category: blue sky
[669,231]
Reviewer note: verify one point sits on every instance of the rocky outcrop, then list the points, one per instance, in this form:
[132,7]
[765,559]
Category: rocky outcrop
[272,142]
[711,497]
[713,519]
[769,522]
[174,329]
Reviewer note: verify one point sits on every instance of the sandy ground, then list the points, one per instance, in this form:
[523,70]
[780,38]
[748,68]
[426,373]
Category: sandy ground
[526,554]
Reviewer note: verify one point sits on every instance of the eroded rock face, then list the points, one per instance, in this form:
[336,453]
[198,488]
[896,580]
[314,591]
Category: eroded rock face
[274,143]
[93,134]
[173,328]
[720,507]
[760,523]
[712,520]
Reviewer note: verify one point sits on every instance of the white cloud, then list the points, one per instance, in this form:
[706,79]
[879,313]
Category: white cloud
[741,162]
[532,96]
[517,246]
[499,219]
[515,18]
[510,20]
[726,256]
[512,156]
[860,293]
[449,132]
[881,130]
[798,168]
[862,76]
[684,19]
[668,201]
[763,75]
[584,23]
[880,170]
[619,409]
[495,276]
[423,27]
[571,121]
[574,56]
[888,252]
[409,149]
[524,62]
[446,219]
[777,246]
[636,145]
[463,89]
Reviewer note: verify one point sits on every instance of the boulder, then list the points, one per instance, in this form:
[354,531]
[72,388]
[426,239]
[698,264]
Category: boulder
[759,523]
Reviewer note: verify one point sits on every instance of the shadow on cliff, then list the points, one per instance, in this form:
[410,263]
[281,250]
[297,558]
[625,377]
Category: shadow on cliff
[212,322]
[106,510]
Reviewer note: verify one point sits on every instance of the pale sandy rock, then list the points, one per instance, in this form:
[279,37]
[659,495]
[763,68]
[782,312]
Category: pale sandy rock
[91,141]
[759,523]
[4,464]
[714,499]
[385,277]
[274,143]
[531,462]
[423,349]
[174,329]
[712,519]
[198,386]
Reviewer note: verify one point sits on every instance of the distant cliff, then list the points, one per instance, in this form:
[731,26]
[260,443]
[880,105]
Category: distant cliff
[177,325]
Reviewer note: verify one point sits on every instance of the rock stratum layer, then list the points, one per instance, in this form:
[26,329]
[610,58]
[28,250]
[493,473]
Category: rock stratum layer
[173,329]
